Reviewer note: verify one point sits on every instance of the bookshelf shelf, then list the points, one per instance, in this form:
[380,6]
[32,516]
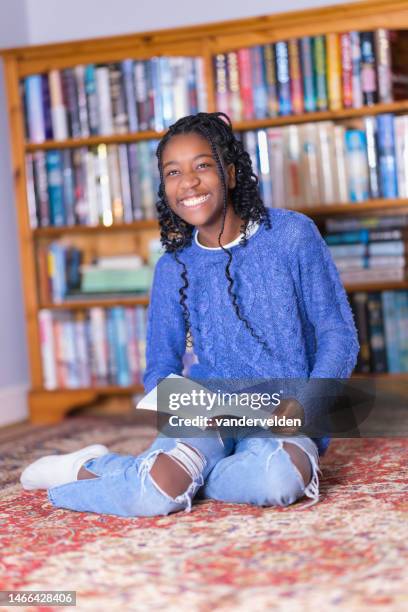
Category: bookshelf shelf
[384,286]
[242,126]
[137,226]
[92,141]
[352,208]
[106,303]
[201,42]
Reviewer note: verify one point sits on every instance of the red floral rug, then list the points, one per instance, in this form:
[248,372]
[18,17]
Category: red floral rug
[349,552]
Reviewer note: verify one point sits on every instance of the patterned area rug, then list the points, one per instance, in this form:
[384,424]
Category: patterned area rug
[345,553]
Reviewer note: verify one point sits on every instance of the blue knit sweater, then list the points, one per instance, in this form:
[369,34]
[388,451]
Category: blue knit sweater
[289,290]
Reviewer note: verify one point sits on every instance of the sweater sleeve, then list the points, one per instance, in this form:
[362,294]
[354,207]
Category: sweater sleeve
[165,337]
[327,308]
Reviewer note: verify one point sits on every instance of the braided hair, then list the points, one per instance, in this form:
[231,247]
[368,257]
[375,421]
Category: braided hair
[176,234]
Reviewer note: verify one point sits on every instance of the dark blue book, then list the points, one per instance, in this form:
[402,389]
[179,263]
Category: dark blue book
[55,187]
[68,186]
[129,86]
[91,99]
[386,156]
[283,77]
[46,103]
[258,82]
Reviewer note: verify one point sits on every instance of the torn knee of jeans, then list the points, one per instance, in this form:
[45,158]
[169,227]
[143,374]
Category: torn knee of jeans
[185,457]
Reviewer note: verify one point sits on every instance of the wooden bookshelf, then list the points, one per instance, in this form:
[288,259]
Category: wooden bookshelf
[202,40]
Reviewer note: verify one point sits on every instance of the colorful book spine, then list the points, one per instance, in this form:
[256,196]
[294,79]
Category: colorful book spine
[233,86]
[270,80]
[58,109]
[357,91]
[34,108]
[334,71]
[221,84]
[245,80]
[283,77]
[258,83]
[368,69]
[55,187]
[391,330]
[346,70]
[320,72]
[386,156]
[306,56]
[370,125]
[383,60]
[296,86]
[91,99]
[357,165]
[376,333]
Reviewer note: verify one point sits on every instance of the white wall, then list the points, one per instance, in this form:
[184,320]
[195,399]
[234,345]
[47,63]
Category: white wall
[24,22]
[58,20]
[13,352]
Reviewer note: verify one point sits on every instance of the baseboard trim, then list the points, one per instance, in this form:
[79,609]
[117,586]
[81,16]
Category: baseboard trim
[13,404]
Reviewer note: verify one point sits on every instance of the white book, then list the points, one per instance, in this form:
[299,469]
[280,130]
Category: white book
[340,163]
[401,151]
[104,100]
[202,101]
[91,191]
[125,183]
[326,153]
[49,366]
[58,111]
[149,401]
[100,343]
[180,87]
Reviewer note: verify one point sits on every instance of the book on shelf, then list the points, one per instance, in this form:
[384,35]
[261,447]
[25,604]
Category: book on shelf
[112,98]
[92,348]
[62,275]
[368,254]
[312,73]
[101,185]
[382,324]
[326,163]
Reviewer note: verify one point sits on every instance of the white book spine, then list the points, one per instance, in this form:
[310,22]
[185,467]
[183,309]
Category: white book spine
[202,98]
[98,332]
[92,194]
[105,212]
[125,183]
[401,151]
[82,354]
[104,100]
[340,165]
[58,111]
[180,88]
[49,365]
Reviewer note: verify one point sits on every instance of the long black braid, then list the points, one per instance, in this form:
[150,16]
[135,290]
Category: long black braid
[176,234]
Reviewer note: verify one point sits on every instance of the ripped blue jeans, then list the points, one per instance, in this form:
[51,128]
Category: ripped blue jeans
[238,469]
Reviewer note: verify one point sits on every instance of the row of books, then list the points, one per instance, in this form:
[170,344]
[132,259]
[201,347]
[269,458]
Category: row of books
[95,348]
[324,163]
[98,185]
[297,165]
[314,73]
[369,255]
[116,98]
[64,276]
[382,324]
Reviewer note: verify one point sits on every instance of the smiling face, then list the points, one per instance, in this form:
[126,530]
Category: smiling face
[192,184]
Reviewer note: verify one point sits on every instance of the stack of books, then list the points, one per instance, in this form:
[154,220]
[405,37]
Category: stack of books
[370,249]
[382,324]
[113,98]
[328,163]
[99,347]
[63,276]
[313,73]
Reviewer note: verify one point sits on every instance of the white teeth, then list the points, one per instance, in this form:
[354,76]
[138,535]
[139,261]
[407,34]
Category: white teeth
[195,201]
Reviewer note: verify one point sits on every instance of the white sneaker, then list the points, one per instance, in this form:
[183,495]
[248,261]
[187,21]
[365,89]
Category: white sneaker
[55,470]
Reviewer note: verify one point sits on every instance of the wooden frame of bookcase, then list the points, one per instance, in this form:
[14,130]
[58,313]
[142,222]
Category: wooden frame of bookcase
[204,40]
